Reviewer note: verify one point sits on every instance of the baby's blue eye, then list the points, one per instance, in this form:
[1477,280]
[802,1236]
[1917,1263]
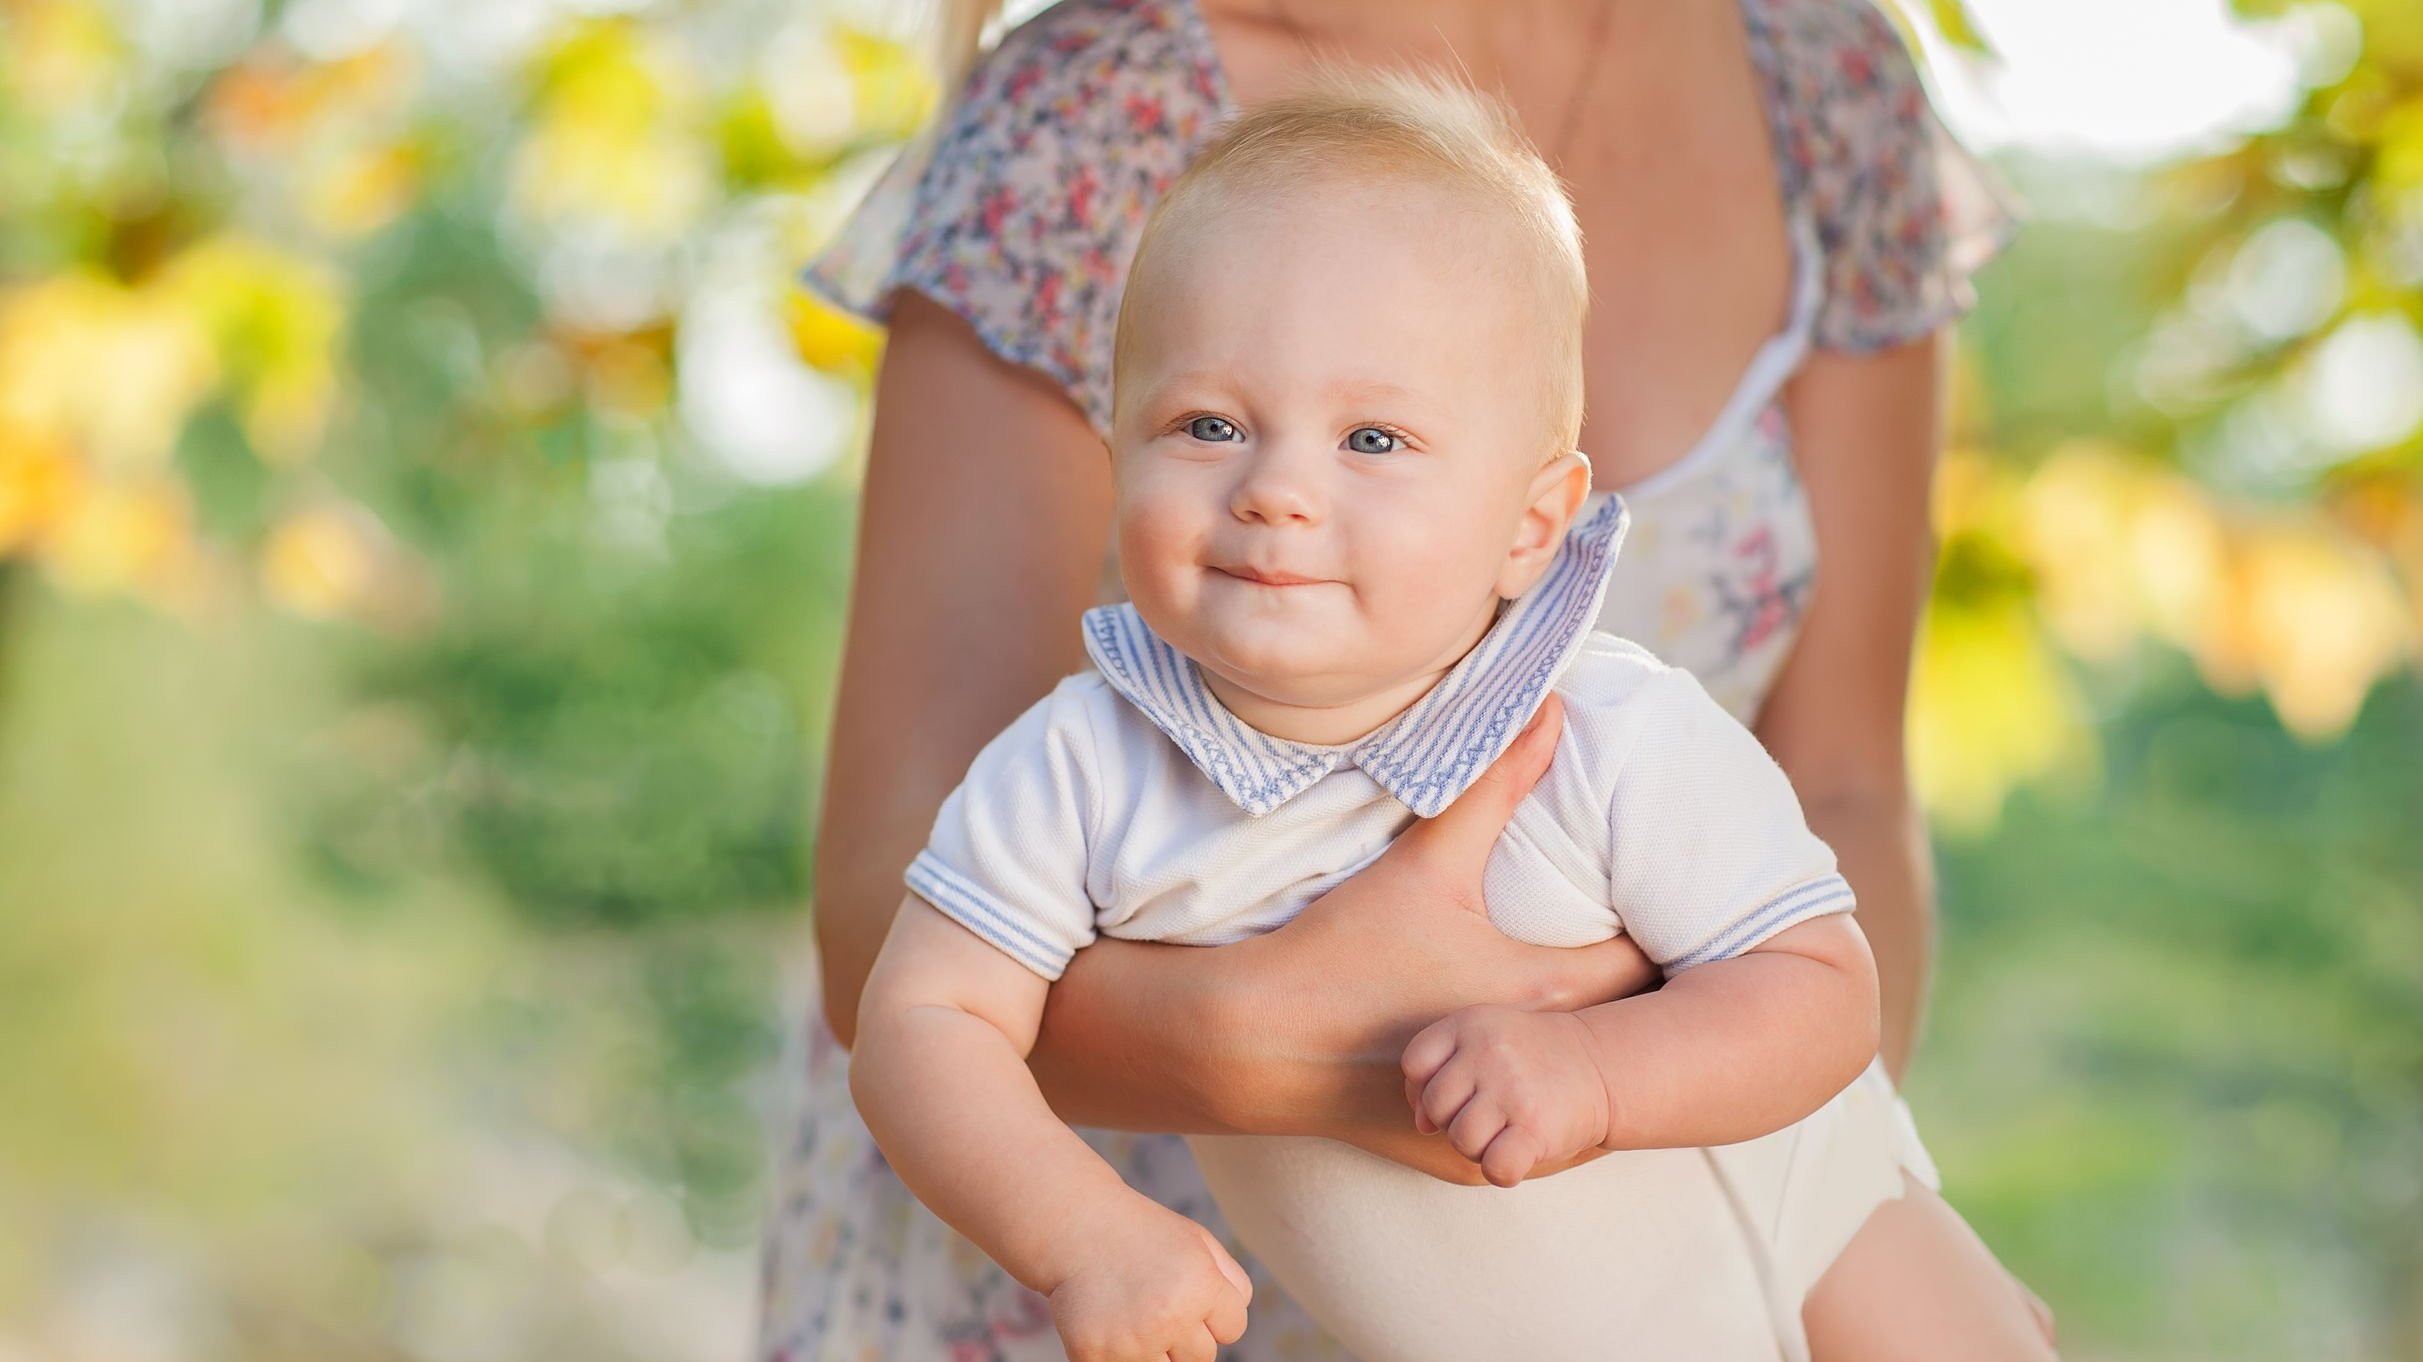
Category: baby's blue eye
[1211,428]
[1371,440]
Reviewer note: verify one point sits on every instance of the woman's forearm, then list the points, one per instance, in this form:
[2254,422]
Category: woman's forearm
[1202,1059]
[1149,1037]
[1881,845]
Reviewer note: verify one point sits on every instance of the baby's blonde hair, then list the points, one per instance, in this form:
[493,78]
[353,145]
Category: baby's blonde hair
[1359,126]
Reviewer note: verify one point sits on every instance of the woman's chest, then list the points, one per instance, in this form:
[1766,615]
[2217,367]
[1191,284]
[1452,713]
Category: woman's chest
[1682,299]
[1690,258]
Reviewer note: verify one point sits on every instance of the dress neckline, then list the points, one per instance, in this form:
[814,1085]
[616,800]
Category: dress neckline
[1776,359]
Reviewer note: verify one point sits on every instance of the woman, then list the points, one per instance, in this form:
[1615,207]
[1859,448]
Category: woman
[1778,233]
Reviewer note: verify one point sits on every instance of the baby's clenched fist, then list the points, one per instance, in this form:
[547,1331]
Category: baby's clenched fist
[1512,1089]
[1155,1286]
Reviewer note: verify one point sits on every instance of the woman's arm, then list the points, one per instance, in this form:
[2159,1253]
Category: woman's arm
[983,522]
[1866,432]
[981,531]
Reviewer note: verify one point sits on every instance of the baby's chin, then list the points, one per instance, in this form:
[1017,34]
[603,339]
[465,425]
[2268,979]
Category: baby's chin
[1308,675]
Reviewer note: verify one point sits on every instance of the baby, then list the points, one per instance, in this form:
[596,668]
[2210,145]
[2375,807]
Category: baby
[1361,554]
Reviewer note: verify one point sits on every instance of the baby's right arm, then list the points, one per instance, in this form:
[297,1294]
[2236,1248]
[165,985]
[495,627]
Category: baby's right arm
[940,1074]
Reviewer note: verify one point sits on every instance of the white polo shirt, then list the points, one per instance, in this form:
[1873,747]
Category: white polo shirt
[1130,802]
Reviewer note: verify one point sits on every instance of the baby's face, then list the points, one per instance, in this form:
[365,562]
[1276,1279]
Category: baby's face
[1328,432]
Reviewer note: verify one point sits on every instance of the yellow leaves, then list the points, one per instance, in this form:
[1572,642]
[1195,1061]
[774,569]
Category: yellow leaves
[318,563]
[117,371]
[1952,20]
[335,560]
[62,56]
[613,137]
[273,105]
[2387,512]
[40,479]
[2118,549]
[122,535]
[276,320]
[827,337]
[277,323]
[624,135]
[890,91]
[2290,602]
[612,71]
[1991,705]
[627,375]
[330,137]
[114,371]
[362,189]
[2098,550]
[2399,169]
[94,530]
[98,380]
[1991,708]
[2310,616]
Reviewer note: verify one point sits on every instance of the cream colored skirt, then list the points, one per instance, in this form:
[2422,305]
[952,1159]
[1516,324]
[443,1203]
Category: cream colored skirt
[1703,1254]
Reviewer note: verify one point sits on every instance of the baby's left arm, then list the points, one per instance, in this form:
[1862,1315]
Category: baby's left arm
[1769,1006]
[1725,1052]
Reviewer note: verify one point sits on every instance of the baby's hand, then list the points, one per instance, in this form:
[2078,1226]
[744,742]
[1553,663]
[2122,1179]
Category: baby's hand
[1155,1285]
[1512,1089]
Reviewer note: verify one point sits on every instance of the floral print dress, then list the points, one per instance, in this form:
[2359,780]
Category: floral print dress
[1020,213]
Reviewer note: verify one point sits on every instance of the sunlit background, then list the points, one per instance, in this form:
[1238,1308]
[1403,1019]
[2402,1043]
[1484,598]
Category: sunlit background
[425,501]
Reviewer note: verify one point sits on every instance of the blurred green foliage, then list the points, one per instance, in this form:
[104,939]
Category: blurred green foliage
[412,686]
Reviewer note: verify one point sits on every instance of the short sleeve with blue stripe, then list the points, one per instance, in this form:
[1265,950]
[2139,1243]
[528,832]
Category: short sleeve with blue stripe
[1708,853]
[1008,856]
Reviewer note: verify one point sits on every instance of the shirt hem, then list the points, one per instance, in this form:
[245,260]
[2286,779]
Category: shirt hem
[988,917]
[1810,899]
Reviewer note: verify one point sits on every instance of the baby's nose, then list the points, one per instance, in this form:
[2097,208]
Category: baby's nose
[1279,485]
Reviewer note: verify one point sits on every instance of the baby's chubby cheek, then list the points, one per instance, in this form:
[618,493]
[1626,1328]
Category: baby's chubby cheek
[1160,557]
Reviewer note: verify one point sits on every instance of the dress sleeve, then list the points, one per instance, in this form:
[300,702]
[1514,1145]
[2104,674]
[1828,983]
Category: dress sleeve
[1903,212]
[1020,209]
[1708,853]
[1008,857]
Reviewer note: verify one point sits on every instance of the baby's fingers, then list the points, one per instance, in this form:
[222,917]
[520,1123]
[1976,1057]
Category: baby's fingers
[1443,1097]
[1228,1266]
[1475,1126]
[1511,1156]
[1227,1319]
[1430,1047]
[1196,1345]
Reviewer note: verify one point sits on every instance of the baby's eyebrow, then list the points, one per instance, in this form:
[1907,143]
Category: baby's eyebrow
[1367,390]
[1194,385]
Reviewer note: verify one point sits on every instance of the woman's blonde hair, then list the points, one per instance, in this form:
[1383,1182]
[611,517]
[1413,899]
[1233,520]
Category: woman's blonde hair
[1350,125]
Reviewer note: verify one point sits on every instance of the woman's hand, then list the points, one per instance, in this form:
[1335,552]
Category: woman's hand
[1335,994]
[1299,1032]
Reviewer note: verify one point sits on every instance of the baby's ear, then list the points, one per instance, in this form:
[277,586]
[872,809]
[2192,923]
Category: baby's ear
[1555,498]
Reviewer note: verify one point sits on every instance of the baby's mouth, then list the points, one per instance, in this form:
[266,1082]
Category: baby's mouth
[1267,576]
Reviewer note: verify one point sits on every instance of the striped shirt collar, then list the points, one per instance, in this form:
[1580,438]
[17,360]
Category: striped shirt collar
[1425,756]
